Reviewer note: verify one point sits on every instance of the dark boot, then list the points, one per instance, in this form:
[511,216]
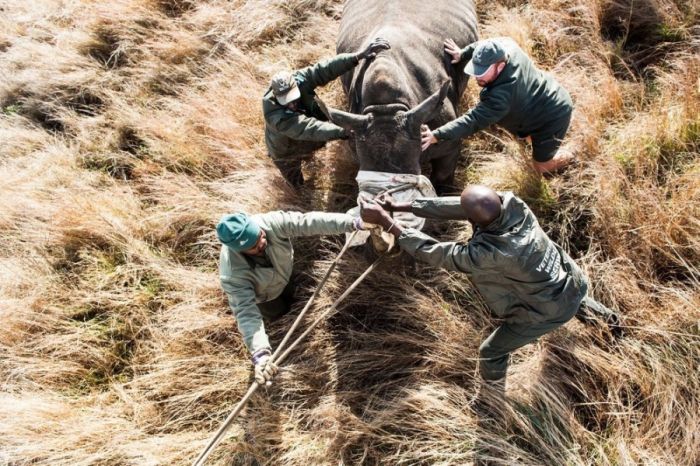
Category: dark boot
[595,313]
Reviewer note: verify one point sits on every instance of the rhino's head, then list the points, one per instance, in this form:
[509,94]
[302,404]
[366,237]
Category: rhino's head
[387,137]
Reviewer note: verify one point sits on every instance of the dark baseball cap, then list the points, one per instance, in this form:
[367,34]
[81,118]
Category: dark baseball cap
[284,87]
[486,53]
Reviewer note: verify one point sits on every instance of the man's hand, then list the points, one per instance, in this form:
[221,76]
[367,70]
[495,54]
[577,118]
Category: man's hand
[426,138]
[453,50]
[390,205]
[372,212]
[376,46]
[386,202]
[265,369]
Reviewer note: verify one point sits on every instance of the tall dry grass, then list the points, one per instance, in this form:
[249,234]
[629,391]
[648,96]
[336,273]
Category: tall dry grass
[129,127]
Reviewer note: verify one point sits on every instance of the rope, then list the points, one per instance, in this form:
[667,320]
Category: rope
[313,297]
[278,358]
[400,187]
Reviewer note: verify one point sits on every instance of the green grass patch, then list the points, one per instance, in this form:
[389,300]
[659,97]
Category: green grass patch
[12,109]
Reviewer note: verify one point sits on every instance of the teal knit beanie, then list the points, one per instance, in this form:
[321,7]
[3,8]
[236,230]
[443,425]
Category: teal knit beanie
[238,231]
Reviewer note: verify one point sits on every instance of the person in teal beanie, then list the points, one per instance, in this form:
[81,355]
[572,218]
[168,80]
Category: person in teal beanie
[256,265]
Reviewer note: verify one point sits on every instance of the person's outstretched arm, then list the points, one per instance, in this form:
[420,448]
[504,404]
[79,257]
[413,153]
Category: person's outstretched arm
[303,128]
[491,109]
[241,299]
[449,255]
[326,71]
[440,208]
[293,224]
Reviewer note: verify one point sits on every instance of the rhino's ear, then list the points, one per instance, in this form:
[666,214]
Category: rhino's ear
[428,109]
[350,121]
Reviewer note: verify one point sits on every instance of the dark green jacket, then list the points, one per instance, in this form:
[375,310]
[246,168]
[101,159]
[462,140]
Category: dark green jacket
[522,99]
[521,274]
[283,126]
[246,284]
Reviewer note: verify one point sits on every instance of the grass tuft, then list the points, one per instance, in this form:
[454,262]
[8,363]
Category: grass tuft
[129,128]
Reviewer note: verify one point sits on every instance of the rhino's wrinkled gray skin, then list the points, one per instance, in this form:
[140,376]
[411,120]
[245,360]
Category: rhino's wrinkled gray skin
[392,95]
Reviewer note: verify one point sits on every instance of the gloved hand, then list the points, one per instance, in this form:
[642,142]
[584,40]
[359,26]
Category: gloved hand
[376,46]
[361,225]
[358,224]
[265,369]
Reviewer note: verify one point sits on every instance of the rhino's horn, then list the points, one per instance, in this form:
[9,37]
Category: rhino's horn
[344,119]
[428,109]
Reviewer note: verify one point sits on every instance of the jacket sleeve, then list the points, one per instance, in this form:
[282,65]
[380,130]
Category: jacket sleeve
[292,224]
[241,299]
[442,208]
[467,52]
[451,256]
[301,127]
[493,107]
[326,71]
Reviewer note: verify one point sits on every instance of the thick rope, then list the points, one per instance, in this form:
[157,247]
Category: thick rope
[278,358]
[313,297]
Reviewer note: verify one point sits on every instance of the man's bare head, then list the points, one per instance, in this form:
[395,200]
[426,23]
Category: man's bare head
[481,204]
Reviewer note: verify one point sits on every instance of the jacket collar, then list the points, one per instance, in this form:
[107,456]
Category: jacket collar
[511,215]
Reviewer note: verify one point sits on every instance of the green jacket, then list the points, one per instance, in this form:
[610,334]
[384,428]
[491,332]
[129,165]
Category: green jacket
[522,275]
[522,99]
[283,126]
[246,283]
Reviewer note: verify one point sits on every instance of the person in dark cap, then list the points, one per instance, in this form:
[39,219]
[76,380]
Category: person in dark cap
[256,265]
[295,126]
[524,277]
[517,96]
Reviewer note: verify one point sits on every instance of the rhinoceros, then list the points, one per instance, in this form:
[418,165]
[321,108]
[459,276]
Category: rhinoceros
[404,87]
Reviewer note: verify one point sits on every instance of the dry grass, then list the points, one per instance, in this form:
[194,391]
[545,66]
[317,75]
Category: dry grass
[129,127]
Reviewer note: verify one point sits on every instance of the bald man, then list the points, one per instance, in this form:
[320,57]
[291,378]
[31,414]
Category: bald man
[523,276]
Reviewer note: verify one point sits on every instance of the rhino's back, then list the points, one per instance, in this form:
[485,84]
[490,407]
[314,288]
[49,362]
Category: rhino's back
[416,30]
[410,23]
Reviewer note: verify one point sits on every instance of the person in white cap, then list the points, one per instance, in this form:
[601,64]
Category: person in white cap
[295,126]
[517,96]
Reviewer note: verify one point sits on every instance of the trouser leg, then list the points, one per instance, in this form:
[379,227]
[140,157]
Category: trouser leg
[281,305]
[550,157]
[291,171]
[495,351]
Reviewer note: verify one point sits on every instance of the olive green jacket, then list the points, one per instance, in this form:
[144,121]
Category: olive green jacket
[283,126]
[247,283]
[522,275]
[523,99]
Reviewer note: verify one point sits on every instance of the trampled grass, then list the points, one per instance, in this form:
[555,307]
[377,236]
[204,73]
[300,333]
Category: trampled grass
[128,127]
